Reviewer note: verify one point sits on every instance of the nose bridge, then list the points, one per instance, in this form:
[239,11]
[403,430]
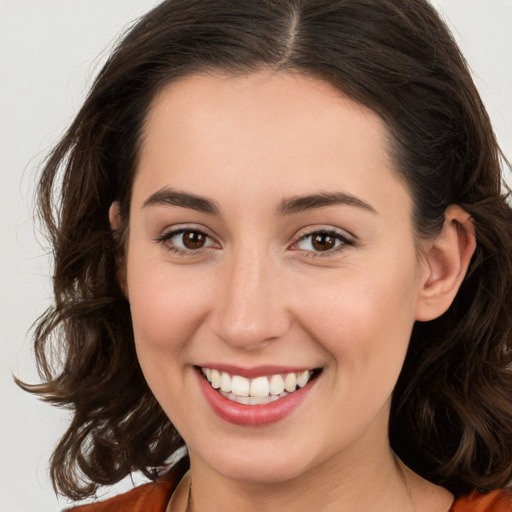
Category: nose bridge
[252,304]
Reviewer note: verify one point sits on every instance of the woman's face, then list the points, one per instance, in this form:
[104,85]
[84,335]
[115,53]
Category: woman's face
[270,241]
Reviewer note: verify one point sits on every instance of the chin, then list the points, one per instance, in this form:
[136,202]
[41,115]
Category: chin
[258,462]
[260,472]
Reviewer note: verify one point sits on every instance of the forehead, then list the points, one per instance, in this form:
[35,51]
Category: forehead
[262,104]
[264,132]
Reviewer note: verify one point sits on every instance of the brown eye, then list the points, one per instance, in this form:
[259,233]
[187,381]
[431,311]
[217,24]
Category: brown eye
[186,241]
[194,239]
[323,242]
[327,241]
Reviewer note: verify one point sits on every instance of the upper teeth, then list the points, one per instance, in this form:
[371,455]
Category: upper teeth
[260,387]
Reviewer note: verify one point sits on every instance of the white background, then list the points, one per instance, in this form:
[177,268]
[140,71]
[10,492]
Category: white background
[49,53]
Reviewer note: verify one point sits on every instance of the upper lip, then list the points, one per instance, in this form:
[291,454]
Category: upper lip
[255,371]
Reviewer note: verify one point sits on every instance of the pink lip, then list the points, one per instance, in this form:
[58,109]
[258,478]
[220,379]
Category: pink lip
[252,415]
[255,371]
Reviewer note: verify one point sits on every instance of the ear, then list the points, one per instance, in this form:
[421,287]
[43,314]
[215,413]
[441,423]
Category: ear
[114,217]
[446,261]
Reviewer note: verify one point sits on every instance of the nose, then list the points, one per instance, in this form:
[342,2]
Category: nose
[251,308]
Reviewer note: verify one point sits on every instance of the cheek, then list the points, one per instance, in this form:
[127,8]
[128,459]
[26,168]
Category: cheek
[166,307]
[166,311]
[362,318]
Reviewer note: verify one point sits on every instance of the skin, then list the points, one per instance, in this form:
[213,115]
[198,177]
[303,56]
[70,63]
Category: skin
[258,293]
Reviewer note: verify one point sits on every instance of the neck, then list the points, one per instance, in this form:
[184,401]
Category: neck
[355,484]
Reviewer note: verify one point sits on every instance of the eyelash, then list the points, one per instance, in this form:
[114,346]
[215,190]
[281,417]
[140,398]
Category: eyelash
[166,237]
[336,235]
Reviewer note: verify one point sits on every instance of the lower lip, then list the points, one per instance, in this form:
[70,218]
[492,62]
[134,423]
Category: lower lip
[253,415]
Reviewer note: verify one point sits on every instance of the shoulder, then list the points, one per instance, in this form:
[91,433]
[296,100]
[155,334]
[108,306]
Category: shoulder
[495,501]
[150,497]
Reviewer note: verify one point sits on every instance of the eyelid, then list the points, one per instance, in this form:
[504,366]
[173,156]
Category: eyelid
[347,240]
[175,230]
[325,228]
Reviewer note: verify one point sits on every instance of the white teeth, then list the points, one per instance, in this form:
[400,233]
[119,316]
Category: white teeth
[215,379]
[256,400]
[260,387]
[276,385]
[253,400]
[225,382]
[257,391]
[290,383]
[302,378]
[240,385]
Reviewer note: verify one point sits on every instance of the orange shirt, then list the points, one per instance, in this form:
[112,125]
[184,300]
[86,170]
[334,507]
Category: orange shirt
[153,497]
[150,497]
[496,501]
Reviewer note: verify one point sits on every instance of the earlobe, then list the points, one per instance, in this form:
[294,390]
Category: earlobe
[114,216]
[446,262]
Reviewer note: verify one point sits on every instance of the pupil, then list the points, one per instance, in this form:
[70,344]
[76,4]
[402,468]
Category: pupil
[193,240]
[323,242]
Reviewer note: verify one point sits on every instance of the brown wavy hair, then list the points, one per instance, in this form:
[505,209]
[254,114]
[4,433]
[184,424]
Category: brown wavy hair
[451,418]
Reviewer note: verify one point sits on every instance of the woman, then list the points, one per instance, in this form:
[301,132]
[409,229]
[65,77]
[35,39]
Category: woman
[281,242]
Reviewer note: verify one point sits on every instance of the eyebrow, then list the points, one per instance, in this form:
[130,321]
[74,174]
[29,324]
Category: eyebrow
[170,197]
[321,200]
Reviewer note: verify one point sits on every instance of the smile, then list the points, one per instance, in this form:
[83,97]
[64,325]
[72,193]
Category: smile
[257,391]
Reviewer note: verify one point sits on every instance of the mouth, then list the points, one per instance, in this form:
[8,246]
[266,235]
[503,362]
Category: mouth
[260,390]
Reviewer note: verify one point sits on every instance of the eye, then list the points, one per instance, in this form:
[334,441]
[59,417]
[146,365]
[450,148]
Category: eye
[186,240]
[323,241]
